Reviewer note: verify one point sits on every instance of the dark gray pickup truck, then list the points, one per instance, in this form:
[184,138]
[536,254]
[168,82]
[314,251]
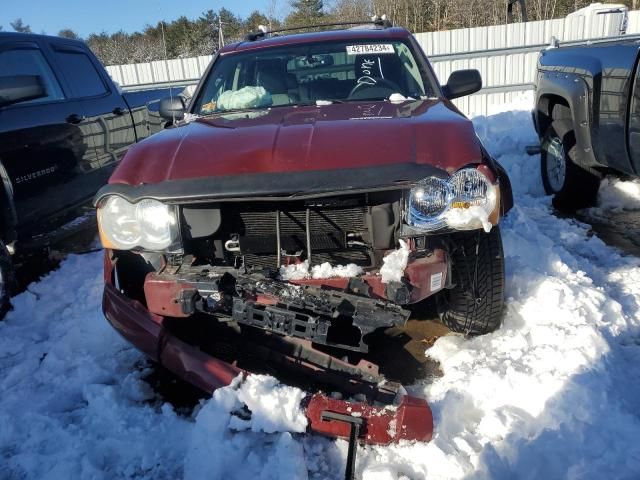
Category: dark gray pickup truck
[587,114]
[64,126]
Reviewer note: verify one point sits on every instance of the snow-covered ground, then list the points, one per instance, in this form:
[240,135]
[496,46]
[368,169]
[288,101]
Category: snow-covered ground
[555,393]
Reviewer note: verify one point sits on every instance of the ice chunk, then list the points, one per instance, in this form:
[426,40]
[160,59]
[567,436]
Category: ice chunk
[190,117]
[297,271]
[344,271]
[398,98]
[466,217]
[247,97]
[325,270]
[394,264]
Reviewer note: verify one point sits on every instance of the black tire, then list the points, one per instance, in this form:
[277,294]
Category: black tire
[7,280]
[579,186]
[475,305]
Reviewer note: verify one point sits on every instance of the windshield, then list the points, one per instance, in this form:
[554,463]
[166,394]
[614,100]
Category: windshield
[313,73]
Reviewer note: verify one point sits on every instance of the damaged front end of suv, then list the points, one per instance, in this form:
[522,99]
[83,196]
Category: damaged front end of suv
[279,238]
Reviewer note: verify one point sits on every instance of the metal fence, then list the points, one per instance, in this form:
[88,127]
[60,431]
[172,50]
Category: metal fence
[505,55]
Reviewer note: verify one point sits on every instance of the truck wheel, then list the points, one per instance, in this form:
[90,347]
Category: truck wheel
[7,280]
[573,186]
[475,304]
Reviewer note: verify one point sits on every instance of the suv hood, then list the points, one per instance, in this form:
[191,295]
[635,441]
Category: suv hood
[305,138]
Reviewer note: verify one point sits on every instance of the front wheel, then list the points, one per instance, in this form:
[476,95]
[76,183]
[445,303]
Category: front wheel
[573,186]
[475,304]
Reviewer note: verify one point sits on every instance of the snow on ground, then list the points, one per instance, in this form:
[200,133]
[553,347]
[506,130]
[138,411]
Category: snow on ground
[615,194]
[553,394]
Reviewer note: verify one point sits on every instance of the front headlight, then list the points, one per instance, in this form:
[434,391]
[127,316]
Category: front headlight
[148,224]
[465,201]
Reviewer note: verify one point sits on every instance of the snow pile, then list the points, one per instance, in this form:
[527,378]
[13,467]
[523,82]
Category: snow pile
[73,403]
[300,271]
[555,393]
[274,407]
[247,97]
[394,263]
[215,451]
[616,194]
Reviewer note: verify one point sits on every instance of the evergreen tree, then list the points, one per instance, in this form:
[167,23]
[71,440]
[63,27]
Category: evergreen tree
[305,12]
[256,19]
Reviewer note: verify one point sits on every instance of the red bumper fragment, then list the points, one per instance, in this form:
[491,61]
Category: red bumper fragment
[411,419]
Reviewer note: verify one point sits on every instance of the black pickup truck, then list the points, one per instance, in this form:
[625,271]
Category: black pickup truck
[64,126]
[587,114]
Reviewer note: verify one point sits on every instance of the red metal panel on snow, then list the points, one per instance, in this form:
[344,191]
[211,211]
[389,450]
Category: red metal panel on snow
[410,420]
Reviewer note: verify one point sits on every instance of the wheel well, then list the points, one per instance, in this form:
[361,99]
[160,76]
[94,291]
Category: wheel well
[545,107]
[7,216]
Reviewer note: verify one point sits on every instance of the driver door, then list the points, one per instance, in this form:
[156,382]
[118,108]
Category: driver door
[45,144]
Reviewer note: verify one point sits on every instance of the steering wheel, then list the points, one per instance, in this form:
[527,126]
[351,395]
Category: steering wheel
[381,84]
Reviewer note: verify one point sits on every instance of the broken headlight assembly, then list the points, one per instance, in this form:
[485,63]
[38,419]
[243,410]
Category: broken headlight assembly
[464,201]
[147,224]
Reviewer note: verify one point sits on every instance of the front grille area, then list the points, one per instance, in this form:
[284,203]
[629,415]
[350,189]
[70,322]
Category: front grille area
[333,230]
[345,229]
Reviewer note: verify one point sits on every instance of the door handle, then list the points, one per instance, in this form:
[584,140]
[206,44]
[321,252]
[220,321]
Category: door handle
[118,111]
[74,118]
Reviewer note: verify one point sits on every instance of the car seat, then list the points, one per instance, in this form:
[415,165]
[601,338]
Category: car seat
[273,76]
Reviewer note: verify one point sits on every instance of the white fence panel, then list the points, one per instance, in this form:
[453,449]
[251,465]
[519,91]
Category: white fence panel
[504,72]
[633,25]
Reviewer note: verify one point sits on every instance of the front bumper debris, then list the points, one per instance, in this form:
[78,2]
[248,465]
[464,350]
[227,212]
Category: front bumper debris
[406,418]
[311,309]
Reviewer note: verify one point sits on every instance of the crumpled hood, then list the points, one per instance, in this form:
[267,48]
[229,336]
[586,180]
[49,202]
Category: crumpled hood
[295,139]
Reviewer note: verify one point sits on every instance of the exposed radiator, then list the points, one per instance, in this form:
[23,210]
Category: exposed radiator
[335,231]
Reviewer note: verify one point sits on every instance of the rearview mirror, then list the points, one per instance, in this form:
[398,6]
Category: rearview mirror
[20,88]
[172,108]
[462,83]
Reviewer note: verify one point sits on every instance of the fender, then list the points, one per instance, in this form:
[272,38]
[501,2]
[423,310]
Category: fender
[8,215]
[574,89]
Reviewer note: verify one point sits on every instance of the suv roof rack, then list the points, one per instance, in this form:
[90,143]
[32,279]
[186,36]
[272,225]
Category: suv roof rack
[377,22]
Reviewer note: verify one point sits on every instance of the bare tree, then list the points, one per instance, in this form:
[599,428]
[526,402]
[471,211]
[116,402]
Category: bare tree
[68,33]
[19,26]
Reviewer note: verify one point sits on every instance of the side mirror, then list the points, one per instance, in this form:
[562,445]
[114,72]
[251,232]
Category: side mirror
[462,83]
[172,108]
[20,88]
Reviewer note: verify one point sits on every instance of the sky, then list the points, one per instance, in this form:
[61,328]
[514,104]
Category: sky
[94,16]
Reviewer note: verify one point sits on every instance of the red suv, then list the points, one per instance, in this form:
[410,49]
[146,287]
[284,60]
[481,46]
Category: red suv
[316,185]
